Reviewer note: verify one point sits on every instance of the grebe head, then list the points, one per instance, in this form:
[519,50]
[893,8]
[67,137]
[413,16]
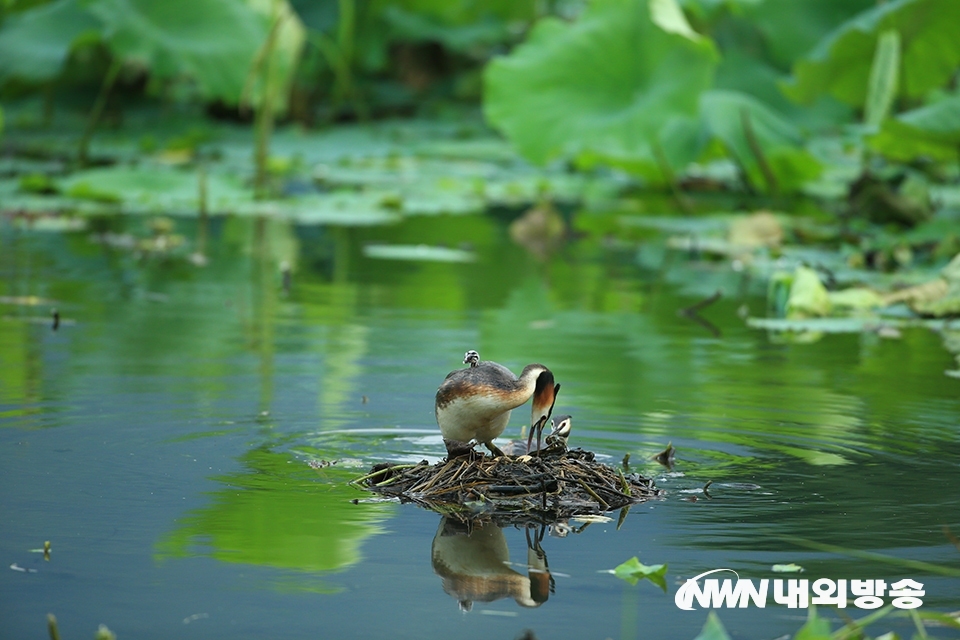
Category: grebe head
[471,357]
[544,395]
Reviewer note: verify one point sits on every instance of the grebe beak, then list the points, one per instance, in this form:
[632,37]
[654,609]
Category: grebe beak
[543,400]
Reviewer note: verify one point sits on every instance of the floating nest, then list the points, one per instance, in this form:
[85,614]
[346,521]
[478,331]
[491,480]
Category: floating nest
[548,486]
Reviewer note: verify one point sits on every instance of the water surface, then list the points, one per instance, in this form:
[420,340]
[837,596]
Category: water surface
[162,437]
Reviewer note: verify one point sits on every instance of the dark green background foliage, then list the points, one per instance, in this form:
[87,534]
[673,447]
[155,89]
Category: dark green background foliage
[646,86]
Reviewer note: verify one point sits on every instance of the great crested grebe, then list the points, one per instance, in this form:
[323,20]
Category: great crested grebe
[475,403]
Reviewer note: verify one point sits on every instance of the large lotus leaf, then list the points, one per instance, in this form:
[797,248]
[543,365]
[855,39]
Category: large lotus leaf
[460,26]
[746,73]
[214,42]
[464,12]
[754,134]
[679,143]
[35,43]
[840,63]
[791,28]
[932,131]
[406,25]
[605,84]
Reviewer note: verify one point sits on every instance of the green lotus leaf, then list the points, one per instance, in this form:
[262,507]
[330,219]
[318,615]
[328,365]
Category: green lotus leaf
[840,64]
[808,297]
[766,146]
[633,571]
[791,29]
[932,131]
[713,629]
[151,189]
[214,42]
[460,26]
[680,142]
[35,43]
[605,84]
[815,628]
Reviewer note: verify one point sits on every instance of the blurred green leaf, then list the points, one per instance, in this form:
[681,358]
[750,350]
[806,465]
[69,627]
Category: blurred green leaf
[815,628]
[932,131]
[35,43]
[459,26]
[605,84]
[855,298]
[633,571]
[884,74]
[791,29]
[713,629]
[808,296]
[153,189]
[767,147]
[37,183]
[840,64]
[214,42]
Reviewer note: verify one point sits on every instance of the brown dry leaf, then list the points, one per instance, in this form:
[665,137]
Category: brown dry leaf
[939,298]
[926,292]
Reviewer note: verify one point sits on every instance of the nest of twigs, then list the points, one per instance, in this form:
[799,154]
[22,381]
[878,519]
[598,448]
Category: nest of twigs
[548,486]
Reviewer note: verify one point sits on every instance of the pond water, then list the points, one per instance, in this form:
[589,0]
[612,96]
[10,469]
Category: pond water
[161,438]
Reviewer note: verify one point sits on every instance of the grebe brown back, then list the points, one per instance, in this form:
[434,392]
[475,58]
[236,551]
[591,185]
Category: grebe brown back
[475,403]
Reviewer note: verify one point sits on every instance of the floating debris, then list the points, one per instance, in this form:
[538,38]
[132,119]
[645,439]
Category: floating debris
[787,568]
[550,485]
[17,567]
[666,457]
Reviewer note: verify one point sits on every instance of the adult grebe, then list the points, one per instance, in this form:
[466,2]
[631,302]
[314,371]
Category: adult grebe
[475,403]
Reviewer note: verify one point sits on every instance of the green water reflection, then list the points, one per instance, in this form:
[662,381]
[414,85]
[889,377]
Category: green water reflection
[849,440]
[275,513]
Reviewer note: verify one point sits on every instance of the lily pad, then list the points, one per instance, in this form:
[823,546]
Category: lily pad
[341,209]
[814,325]
[633,571]
[787,568]
[417,252]
[155,189]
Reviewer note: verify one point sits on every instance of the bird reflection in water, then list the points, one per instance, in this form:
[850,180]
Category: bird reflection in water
[474,562]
